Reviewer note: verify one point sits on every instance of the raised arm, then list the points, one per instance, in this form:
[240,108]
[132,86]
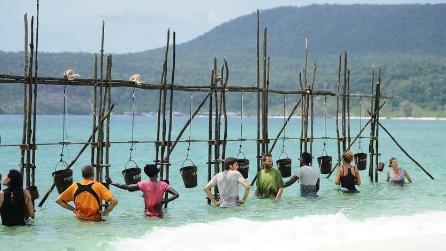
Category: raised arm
[291,181]
[65,204]
[130,188]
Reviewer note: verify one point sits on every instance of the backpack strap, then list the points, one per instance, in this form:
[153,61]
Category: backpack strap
[86,188]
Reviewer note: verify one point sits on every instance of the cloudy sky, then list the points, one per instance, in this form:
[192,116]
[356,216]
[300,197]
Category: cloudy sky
[131,25]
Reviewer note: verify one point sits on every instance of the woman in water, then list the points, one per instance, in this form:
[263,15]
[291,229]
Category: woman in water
[15,202]
[348,175]
[396,174]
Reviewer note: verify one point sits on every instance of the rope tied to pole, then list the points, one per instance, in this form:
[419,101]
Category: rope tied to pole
[241,124]
[190,127]
[132,145]
[284,122]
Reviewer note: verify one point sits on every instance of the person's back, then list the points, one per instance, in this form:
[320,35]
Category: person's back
[308,177]
[153,196]
[227,183]
[12,211]
[88,197]
[15,202]
[348,180]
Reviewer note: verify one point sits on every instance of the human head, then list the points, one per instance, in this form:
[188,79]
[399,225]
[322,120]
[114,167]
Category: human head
[393,162]
[151,170]
[305,159]
[267,160]
[347,156]
[13,180]
[87,172]
[231,163]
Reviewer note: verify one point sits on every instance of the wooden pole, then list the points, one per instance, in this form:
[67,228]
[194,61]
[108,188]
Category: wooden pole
[210,130]
[404,151]
[33,150]
[107,131]
[94,109]
[372,130]
[225,115]
[25,99]
[264,92]
[30,107]
[160,101]
[164,121]
[378,93]
[312,109]
[77,156]
[338,84]
[100,116]
[258,157]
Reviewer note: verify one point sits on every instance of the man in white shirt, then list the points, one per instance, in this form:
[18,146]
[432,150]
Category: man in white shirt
[228,184]
[308,176]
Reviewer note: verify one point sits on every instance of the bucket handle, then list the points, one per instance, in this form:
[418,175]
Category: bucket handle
[190,161]
[324,150]
[240,152]
[61,162]
[283,152]
[130,160]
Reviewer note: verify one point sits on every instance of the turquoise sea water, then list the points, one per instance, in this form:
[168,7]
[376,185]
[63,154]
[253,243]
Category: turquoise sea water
[190,217]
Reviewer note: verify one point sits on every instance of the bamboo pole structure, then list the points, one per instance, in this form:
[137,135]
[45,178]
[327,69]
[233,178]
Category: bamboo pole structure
[258,157]
[94,110]
[30,106]
[284,125]
[25,98]
[372,129]
[338,84]
[378,92]
[34,130]
[100,116]
[164,121]
[107,130]
[77,156]
[404,151]
[225,115]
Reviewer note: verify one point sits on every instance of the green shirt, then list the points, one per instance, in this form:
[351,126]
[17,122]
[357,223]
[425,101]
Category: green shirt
[269,182]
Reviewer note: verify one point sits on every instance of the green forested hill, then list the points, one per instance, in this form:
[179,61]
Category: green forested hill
[407,41]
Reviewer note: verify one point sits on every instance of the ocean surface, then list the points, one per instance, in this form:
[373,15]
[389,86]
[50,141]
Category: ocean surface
[382,216]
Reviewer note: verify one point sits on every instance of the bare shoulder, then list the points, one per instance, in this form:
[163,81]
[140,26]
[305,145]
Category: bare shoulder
[27,194]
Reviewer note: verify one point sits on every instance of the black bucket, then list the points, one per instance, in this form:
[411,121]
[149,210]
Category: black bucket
[132,175]
[33,191]
[325,164]
[361,161]
[189,175]
[284,167]
[243,167]
[63,179]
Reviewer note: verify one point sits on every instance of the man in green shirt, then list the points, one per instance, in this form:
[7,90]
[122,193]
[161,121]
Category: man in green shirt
[269,180]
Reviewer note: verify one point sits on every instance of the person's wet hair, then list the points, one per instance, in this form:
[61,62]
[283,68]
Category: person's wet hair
[390,161]
[306,158]
[347,156]
[151,170]
[229,161]
[87,171]
[15,185]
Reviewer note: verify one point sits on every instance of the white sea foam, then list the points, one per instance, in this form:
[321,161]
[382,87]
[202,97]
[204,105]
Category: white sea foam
[426,231]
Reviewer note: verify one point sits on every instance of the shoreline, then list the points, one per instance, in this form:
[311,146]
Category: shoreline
[236,115]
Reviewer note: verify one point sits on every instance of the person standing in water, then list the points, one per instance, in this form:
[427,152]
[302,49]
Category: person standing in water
[308,176]
[396,174]
[87,196]
[348,175]
[228,185]
[153,191]
[269,180]
[16,205]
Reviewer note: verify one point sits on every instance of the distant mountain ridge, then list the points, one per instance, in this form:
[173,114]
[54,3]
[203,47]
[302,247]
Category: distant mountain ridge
[408,41]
